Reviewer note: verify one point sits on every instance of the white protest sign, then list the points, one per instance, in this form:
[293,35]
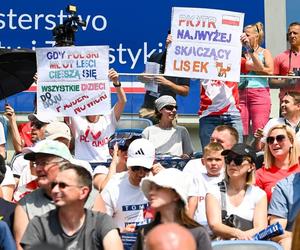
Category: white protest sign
[73,81]
[205,44]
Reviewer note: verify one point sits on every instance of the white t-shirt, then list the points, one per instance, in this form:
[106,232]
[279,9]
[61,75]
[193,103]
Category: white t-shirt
[246,209]
[2,134]
[91,138]
[202,185]
[124,202]
[8,178]
[195,168]
[173,141]
[18,164]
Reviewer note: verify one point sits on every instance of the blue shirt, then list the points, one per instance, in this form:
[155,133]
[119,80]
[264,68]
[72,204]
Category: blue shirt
[285,202]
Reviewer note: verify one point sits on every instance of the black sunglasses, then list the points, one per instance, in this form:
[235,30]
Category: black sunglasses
[278,138]
[170,107]
[138,168]
[237,159]
[62,185]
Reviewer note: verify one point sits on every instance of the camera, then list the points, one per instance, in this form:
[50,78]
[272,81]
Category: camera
[64,34]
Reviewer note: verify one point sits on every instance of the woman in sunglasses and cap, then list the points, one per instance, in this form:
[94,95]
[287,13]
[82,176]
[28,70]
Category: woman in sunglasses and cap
[167,195]
[167,137]
[237,196]
[280,158]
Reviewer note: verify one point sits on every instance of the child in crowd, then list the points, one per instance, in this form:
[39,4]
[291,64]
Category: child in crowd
[214,164]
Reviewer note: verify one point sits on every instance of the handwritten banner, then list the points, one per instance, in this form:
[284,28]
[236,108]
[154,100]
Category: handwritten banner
[205,44]
[73,81]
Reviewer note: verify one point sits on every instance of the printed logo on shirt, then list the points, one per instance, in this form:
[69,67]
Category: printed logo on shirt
[135,207]
[140,152]
[93,137]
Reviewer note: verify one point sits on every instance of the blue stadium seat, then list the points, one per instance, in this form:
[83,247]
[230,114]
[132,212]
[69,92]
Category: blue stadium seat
[134,125]
[245,245]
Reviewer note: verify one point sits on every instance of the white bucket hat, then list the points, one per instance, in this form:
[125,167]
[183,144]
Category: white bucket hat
[141,153]
[167,178]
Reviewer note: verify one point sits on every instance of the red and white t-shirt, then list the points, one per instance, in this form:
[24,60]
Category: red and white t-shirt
[219,98]
[91,138]
[283,63]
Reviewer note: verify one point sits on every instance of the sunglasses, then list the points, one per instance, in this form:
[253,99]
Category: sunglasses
[62,185]
[138,168]
[237,159]
[278,138]
[170,107]
[37,124]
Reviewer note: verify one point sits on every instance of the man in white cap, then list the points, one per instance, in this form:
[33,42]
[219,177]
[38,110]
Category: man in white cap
[47,156]
[123,198]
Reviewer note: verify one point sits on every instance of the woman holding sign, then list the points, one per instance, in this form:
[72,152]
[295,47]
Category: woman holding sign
[92,132]
[255,101]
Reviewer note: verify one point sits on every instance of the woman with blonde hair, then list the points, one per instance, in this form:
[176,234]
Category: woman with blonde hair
[236,209]
[255,101]
[280,158]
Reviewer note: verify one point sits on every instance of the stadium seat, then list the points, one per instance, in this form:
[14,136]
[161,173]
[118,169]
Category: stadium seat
[245,245]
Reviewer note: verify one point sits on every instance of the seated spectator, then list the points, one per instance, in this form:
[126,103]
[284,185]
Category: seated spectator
[281,158]
[284,207]
[122,195]
[162,237]
[91,133]
[290,111]
[237,197]
[167,194]
[47,157]
[168,138]
[70,225]
[118,146]
[7,180]
[296,234]
[214,164]
[255,100]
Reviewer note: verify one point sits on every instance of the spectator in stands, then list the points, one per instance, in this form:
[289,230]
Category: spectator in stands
[290,111]
[70,225]
[122,195]
[167,137]
[296,234]
[6,239]
[226,135]
[47,157]
[92,132]
[118,146]
[167,85]
[162,237]
[281,158]
[284,207]
[214,164]
[27,179]
[288,62]
[167,194]
[255,100]
[237,196]
[7,180]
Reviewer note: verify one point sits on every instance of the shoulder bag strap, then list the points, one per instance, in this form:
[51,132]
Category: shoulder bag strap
[222,187]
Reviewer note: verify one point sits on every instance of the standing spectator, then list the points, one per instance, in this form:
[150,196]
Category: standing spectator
[284,207]
[238,196]
[280,159]
[255,101]
[91,133]
[122,195]
[288,62]
[167,85]
[70,225]
[167,194]
[167,137]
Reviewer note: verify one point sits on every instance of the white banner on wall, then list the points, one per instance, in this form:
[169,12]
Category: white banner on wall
[73,81]
[205,44]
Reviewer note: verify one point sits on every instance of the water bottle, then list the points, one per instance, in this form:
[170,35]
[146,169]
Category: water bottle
[269,232]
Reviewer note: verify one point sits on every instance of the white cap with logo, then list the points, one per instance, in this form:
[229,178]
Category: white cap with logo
[141,152]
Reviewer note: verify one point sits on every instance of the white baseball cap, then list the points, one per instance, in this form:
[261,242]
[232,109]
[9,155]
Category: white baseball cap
[141,152]
[56,130]
[48,147]
[42,117]
[167,178]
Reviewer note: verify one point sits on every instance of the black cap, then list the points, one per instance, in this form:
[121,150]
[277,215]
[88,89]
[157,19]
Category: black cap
[242,149]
